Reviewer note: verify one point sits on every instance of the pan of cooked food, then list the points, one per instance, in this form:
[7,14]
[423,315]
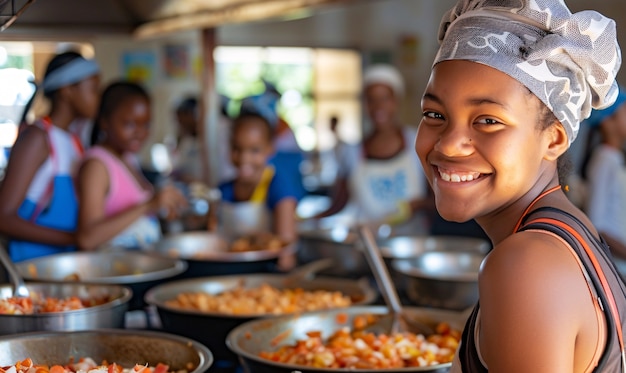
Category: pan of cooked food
[355,339]
[211,254]
[207,308]
[103,351]
[137,270]
[63,306]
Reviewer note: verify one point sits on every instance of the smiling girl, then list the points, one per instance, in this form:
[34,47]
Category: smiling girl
[510,84]
[118,206]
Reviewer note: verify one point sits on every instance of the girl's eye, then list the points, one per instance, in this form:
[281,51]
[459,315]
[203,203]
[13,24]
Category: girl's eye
[488,121]
[432,115]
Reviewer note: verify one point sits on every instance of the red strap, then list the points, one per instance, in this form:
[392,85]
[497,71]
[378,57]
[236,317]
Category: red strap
[545,193]
[599,271]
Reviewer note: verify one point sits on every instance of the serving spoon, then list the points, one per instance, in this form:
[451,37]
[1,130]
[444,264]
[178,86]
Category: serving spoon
[400,323]
[17,282]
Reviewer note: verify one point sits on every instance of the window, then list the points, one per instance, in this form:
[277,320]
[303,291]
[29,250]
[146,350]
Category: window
[315,85]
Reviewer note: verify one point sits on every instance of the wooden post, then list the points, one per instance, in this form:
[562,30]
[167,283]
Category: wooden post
[209,113]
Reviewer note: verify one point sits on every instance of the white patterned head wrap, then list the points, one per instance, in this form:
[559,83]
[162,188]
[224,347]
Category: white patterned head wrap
[569,61]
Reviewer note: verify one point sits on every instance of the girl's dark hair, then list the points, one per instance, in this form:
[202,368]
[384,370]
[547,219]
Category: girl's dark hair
[56,62]
[240,120]
[112,97]
[188,105]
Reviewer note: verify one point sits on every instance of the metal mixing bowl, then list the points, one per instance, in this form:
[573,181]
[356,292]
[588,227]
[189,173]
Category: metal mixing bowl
[208,254]
[107,315]
[123,347]
[443,279]
[138,270]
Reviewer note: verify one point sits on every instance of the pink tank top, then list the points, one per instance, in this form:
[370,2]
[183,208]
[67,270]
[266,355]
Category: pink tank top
[124,189]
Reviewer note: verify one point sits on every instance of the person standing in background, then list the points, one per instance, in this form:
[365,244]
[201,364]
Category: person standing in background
[605,175]
[261,198]
[288,156]
[381,179]
[188,165]
[118,206]
[38,205]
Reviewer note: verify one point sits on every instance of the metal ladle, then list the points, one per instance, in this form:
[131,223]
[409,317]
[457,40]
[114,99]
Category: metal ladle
[400,323]
[17,282]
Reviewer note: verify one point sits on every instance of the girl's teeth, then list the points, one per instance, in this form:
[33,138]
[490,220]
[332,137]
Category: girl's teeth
[456,178]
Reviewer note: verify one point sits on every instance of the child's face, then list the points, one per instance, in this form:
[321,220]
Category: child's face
[86,97]
[251,149]
[187,122]
[479,140]
[128,127]
[381,104]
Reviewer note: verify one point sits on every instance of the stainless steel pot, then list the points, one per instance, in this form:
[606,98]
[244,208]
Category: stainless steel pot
[444,279]
[249,339]
[406,247]
[123,347]
[207,254]
[108,315]
[341,243]
[140,271]
[211,328]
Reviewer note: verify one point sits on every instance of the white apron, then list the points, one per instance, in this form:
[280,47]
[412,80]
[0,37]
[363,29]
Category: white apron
[238,219]
[378,186]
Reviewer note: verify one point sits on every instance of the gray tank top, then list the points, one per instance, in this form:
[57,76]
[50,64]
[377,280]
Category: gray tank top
[552,220]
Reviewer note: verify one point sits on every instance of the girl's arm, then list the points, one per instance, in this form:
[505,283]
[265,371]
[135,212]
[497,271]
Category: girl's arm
[94,229]
[339,198]
[285,219]
[535,307]
[27,155]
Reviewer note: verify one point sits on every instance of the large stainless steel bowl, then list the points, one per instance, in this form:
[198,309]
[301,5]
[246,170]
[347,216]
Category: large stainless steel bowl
[443,279]
[341,243]
[140,271]
[211,328]
[251,338]
[406,247]
[208,254]
[107,315]
[123,347]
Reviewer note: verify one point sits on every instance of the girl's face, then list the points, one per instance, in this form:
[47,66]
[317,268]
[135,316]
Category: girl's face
[382,105]
[127,127]
[86,97]
[479,140]
[251,149]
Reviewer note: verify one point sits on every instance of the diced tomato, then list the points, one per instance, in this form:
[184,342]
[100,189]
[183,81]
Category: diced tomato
[161,368]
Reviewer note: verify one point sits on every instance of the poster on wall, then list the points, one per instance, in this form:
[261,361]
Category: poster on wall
[176,61]
[139,67]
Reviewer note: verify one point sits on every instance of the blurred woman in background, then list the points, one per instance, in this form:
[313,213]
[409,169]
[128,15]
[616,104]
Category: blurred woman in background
[118,206]
[38,205]
[381,179]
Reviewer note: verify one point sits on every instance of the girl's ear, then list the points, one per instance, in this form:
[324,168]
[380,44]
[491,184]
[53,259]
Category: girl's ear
[558,142]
